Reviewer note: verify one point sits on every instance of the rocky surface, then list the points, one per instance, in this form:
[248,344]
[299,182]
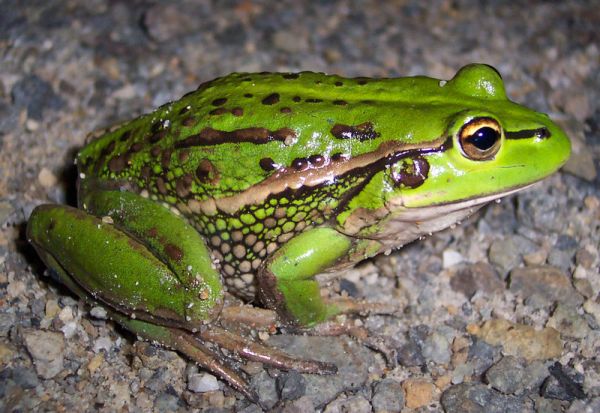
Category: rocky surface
[499,314]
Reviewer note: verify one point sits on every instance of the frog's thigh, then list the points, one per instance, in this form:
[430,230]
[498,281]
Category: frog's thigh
[156,274]
[286,281]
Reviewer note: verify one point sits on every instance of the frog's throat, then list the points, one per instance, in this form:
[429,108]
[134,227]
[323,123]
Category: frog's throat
[402,225]
[289,178]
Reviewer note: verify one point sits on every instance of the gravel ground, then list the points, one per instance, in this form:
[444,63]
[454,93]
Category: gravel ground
[499,314]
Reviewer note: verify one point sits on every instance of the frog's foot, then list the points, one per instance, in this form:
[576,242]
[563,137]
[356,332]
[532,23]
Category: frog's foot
[196,347]
[346,305]
[347,326]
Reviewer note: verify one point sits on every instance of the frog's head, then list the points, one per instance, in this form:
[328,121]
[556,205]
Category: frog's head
[476,147]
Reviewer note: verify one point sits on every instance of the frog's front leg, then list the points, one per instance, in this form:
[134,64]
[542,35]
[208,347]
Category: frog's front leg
[153,272]
[286,280]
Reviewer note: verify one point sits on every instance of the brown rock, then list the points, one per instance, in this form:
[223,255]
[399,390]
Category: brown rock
[520,340]
[418,392]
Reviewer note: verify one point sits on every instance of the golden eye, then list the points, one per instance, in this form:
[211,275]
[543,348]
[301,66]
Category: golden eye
[480,138]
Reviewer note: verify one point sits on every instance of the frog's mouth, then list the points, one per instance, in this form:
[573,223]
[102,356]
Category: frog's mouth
[399,211]
[402,225]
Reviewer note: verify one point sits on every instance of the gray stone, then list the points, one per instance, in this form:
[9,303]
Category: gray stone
[482,355]
[46,349]
[7,320]
[437,348]
[291,385]
[564,383]
[36,95]
[476,277]
[388,396]
[25,377]
[264,386]
[202,382]
[166,402]
[560,258]
[506,375]
[546,281]
[352,359]
[301,405]
[507,253]
[478,398]
[343,404]
[548,405]
[513,376]
[568,322]
[585,406]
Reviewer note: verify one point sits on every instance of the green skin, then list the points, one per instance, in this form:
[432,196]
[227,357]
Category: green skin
[255,183]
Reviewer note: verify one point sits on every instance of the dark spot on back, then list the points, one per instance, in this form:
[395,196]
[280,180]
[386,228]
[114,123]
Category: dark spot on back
[271,99]
[338,156]
[237,111]
[209,136]
[297,99]
[108,149]
[117,164]
[155,137]
[126,135]
[300,164]
[340,102]
[219,101]
[218,111]
[338,83]
[160,185]
[184,110]
[174,252]
[165,159]
[364,131]
[316,160]
[313,100]
[183,185]
[285,110]
[248,95]
[145,172]
[189,121]
[136,147]
[155,151]
[183,155]
[412,173]
[206,172]
[267,164]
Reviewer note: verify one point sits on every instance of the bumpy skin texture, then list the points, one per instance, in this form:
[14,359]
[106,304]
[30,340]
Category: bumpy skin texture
[265,180]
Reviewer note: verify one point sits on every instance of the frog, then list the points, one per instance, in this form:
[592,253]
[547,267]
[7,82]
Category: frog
[255,183]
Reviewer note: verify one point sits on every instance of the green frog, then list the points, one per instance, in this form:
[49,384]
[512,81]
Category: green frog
[255,183]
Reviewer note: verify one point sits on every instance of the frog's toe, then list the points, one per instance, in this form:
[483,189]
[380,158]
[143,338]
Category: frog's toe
[347,326]
[251,350]
[345,305]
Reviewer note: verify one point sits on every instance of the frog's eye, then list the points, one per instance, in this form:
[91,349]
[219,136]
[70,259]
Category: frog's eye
[480,138]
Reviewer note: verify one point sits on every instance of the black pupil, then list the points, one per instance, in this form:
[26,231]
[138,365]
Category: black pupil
[484,138]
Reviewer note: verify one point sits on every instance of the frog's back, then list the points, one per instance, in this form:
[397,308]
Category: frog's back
[233,132]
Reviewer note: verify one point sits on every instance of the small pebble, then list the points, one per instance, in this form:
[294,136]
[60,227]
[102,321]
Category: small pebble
[291,385]
[569,322]
[418,393]
[99,313]
[388,396]
[46,349]
[46,178]
[478,398]
[202,383]
[451,258]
